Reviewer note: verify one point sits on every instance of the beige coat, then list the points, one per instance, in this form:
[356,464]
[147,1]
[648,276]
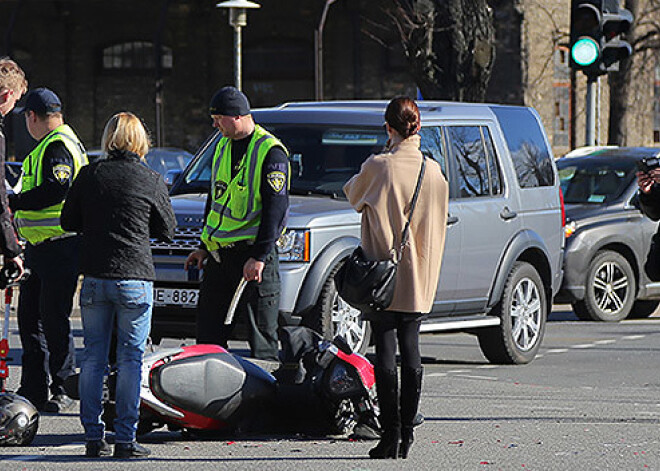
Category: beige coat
[382,192]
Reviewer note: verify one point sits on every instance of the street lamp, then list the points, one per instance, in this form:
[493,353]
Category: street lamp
[237,19]
[318,51]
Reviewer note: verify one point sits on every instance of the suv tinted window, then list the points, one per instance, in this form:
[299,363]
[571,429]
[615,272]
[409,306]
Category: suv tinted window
[472,167]
[433,146]
[529,152]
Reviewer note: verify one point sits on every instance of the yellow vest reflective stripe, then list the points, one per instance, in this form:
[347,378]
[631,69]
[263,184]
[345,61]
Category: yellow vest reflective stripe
[39,225]
[235,212]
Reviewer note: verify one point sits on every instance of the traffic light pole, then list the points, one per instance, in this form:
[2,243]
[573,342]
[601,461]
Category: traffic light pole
[590,131]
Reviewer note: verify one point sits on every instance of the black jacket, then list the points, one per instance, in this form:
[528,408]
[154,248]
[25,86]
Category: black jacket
[118,204]
[8,240]
[649,204]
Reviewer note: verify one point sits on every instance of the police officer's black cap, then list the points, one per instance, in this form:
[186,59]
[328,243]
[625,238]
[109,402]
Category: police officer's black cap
[229,101]
[41,101]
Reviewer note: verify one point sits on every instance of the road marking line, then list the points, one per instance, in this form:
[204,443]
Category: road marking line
[484,367]
[584,345]
[435,374]
[558,350]
[70,446]
[605,342]
[458,371]
[633,337]
[489,378]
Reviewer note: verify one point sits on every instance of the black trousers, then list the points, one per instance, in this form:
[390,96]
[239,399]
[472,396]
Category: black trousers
[388,327]
[44,307]
[260,302]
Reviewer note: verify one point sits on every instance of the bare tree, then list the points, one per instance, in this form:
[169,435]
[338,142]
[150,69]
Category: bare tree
[644,36]
[449,45]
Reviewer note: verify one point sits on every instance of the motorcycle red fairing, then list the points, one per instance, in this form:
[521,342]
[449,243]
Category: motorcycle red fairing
[203,387]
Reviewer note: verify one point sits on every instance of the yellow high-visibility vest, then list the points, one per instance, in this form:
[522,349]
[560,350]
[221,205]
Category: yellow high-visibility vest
[39,225]
[235,212]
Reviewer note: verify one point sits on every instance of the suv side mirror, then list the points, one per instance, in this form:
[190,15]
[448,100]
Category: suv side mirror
[172,176]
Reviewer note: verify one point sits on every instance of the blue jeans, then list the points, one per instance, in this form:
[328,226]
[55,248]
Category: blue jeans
[101,302]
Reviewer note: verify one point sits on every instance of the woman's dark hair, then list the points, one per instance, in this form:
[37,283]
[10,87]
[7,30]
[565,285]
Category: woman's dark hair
[402,115]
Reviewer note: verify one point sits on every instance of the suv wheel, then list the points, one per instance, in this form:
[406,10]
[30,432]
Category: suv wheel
[610,289]
[333,316]
[523,311]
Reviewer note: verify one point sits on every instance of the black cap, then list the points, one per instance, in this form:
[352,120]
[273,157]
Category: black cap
[41,101]
[229,101]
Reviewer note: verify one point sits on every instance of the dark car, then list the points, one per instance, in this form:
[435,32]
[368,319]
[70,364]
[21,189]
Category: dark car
[168,161]
[607,236]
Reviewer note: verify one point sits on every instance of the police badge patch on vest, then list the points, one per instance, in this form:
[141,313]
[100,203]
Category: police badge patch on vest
[62,173]
[220,188]
[276,180]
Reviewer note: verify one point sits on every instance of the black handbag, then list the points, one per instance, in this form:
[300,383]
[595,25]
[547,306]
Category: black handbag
[368,285]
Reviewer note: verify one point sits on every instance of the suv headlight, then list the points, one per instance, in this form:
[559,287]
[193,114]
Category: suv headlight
[293,246]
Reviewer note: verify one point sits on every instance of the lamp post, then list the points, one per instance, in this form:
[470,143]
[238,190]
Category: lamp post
[318,51]
[237,19]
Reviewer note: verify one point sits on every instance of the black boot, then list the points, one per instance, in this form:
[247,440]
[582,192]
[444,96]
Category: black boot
[411,389]
[388,393]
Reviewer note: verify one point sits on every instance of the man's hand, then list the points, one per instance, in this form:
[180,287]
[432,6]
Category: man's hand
[19,265]
[196,258]
[645,180]
[253,269]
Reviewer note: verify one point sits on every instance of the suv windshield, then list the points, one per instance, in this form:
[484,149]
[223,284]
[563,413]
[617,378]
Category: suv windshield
[322,158]
[595,181]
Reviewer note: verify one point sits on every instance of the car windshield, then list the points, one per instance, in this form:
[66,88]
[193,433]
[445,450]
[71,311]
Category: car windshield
[594,181]
[322,158]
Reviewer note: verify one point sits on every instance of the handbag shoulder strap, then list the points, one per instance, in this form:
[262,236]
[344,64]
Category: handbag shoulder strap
[404,236]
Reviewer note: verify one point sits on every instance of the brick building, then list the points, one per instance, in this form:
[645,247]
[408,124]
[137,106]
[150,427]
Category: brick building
[99,57]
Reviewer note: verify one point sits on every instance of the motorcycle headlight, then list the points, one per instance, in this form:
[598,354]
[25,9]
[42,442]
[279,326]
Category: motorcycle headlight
[293,246]
[341,382]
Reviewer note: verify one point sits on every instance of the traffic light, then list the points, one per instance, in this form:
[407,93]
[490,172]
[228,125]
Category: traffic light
[613,48]
[586,16]
[596,25]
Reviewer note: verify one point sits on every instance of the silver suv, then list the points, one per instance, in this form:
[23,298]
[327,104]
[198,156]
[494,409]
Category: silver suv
[503,256]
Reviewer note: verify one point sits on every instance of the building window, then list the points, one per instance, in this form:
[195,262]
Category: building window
[656,103]
[562,97]
[135,55]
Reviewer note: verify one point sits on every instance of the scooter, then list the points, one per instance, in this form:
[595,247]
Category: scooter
[204,388]
[321,387]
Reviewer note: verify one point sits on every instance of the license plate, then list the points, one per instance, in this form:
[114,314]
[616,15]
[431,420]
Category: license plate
[183,297]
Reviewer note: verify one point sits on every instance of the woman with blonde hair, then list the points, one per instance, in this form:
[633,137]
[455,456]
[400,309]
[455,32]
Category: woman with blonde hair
[382,192]
[117,204]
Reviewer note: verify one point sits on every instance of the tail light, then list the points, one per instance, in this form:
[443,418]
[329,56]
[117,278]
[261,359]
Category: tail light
[563,209]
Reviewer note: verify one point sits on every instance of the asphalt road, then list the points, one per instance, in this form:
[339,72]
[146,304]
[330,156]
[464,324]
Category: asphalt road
[591,400]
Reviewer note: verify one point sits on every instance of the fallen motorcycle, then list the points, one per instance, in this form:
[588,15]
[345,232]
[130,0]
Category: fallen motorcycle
[322,387]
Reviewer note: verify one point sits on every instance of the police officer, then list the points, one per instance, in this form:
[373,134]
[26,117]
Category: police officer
[245,214]
[46,298]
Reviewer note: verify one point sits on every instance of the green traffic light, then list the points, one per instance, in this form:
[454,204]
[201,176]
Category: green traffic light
[585,51]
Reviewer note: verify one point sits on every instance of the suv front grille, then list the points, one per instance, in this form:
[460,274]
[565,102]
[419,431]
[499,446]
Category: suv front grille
[185,239]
